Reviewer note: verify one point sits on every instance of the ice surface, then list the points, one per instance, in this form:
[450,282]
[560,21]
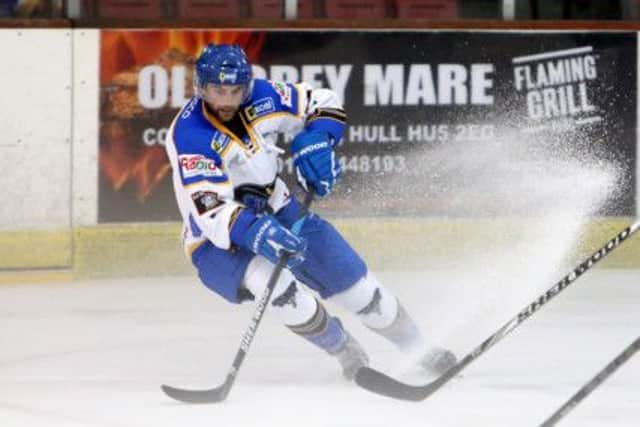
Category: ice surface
[94,353]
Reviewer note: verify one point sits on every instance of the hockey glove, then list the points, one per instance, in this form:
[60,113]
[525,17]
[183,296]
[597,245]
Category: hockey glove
[315,161]
[254,197]
[265,236]
[255,202]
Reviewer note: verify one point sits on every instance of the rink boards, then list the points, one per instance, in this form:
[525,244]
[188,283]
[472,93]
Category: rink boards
[140,249]
[65,208]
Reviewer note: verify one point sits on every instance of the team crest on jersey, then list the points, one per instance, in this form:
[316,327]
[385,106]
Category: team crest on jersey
[220,141]
[193,165]
[284,91]
[260,108]
[206,201]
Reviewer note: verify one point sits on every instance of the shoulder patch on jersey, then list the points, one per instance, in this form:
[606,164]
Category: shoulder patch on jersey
[284,91]
[260,108]
[219,141]
[192,165]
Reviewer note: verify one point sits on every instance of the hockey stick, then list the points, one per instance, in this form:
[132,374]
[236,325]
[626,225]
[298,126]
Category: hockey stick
[221,392]
[593,384]
[380,383]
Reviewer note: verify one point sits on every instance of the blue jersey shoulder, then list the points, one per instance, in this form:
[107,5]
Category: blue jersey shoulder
[193,133]
[271,97]
[196,141]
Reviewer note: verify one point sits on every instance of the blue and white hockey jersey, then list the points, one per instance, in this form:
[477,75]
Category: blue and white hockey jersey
[210,161]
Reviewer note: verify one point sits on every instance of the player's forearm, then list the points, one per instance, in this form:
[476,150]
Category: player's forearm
[216,224]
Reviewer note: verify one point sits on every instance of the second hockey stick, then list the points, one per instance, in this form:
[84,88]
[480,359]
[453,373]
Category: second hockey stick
[593,383]
[221,392]
[385,385]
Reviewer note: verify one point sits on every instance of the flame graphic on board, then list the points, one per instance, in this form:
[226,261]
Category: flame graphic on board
[145,168]
[123,157]
[125,49]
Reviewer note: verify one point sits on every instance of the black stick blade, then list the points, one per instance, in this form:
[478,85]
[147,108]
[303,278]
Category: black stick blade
[213,395]
[382,384]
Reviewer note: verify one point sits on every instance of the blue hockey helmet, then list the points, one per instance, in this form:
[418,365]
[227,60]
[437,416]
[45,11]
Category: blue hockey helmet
[223,64]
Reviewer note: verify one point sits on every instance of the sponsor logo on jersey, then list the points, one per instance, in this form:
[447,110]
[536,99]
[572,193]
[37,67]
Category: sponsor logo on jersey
[284,91]
[205,201]
[260,108]
[198,165]
[220,141]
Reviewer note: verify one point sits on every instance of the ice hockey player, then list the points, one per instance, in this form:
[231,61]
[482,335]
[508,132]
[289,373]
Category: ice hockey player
[238,213]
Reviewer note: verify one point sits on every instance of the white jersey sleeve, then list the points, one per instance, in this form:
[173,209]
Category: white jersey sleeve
[202,185]
[323,110]
[302,105]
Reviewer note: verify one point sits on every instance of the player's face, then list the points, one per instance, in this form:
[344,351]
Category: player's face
[224,100]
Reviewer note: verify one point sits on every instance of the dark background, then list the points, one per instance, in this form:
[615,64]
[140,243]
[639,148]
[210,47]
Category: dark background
[426,188]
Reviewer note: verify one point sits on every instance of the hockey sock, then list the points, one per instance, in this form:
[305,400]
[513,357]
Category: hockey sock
[322,330]
[381,312]
[403,332]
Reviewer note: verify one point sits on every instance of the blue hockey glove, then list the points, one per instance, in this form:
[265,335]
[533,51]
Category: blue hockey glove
[266,237]
[257,203]
[315,161]
[254,197]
